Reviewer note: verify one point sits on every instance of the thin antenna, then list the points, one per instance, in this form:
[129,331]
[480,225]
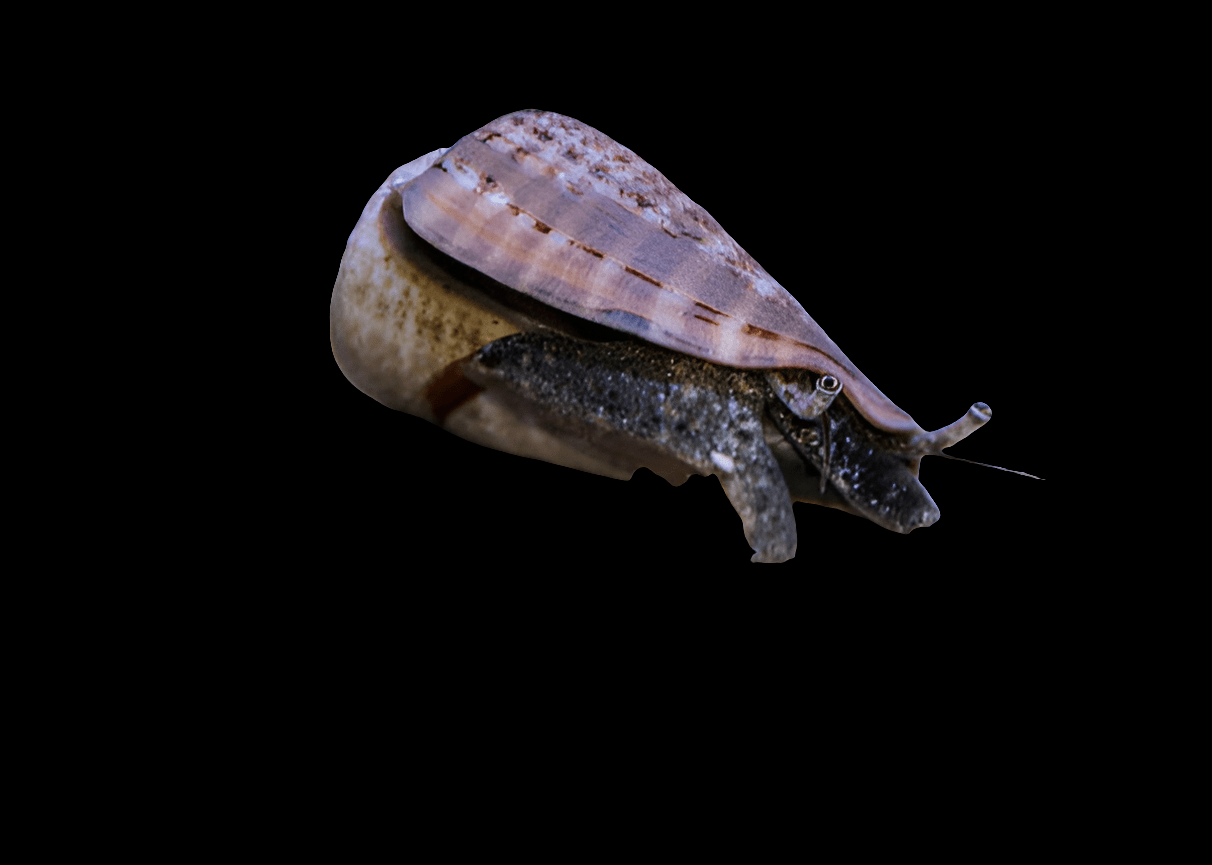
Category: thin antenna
[986,465]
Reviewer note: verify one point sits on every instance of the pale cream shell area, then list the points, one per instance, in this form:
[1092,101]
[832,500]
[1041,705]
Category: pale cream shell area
[397,322]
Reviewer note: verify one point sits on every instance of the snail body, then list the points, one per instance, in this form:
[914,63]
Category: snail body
[540,289]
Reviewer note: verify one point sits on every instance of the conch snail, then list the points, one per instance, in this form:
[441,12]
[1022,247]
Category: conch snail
[539,289]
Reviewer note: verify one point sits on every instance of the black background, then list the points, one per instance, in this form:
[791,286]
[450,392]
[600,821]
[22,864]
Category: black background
[919,210]
[907,230]
[921,205]
[914,187]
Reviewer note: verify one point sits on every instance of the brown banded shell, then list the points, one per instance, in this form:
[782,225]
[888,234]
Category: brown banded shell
[555,209]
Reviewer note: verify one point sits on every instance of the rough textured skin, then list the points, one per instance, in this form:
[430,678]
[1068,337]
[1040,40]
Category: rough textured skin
[705,416]
[712,419]
[557,210]
[873,473]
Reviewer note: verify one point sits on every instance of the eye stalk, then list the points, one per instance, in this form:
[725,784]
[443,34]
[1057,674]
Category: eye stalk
[806,404]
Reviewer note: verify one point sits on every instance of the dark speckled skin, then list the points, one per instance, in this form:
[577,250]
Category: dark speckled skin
[712,420]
